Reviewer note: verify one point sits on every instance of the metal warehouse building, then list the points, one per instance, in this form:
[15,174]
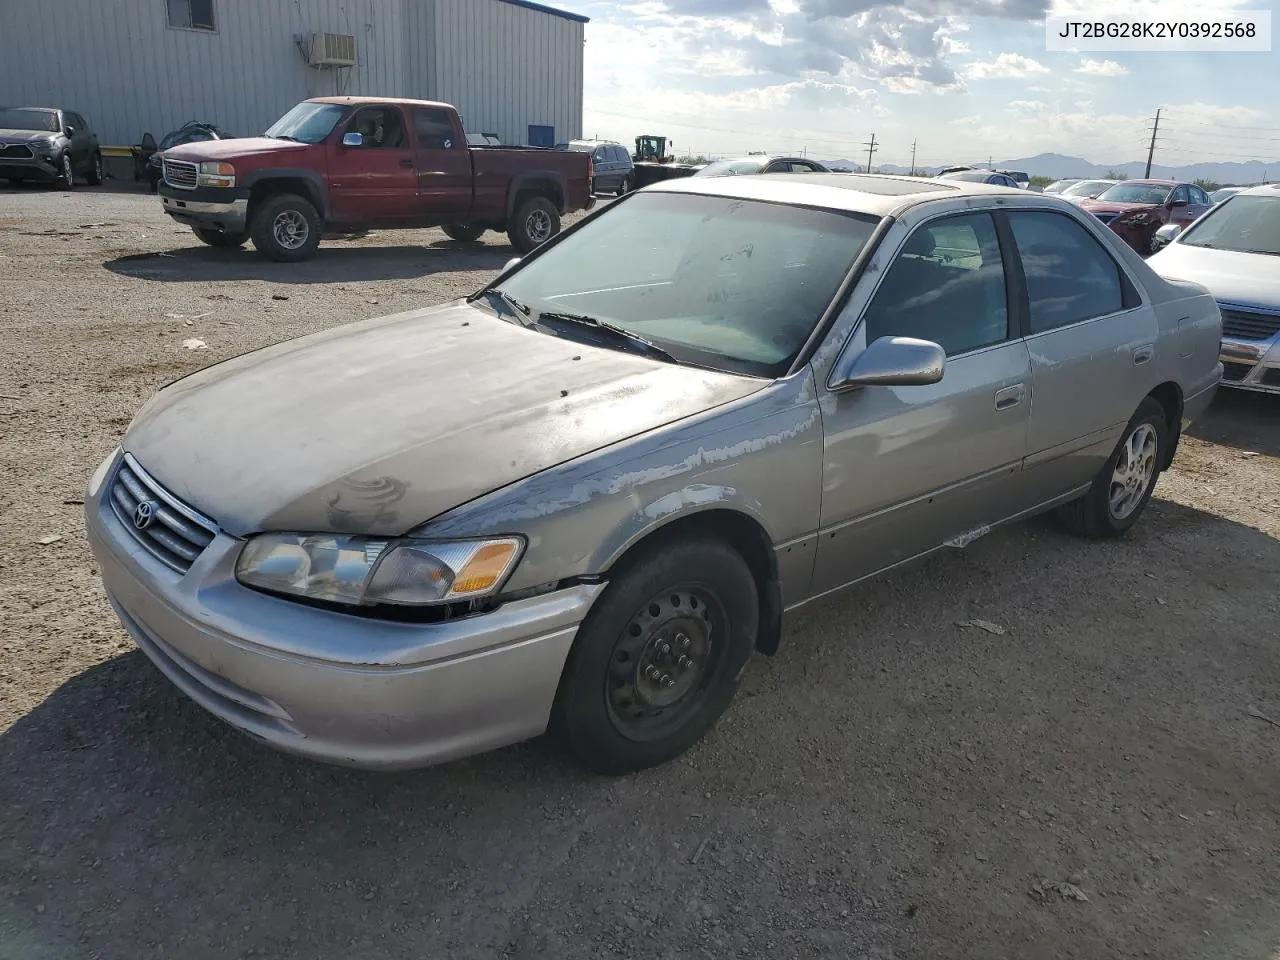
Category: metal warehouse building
[512,67]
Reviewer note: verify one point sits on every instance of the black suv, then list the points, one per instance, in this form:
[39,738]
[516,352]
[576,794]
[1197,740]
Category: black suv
[611,168]
[47,144]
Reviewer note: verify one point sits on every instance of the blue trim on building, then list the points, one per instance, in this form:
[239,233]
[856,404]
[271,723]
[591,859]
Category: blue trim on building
[530,5]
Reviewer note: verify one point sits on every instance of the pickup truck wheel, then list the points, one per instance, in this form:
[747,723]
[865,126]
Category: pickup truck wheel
[1123,487]
[463,232]
[95,177]
[658,659]
[216,238]
[535,222]
[286,228]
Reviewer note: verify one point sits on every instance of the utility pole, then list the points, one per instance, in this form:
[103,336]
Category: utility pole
[1152,149]
[988,161]
[871,148]
[913,158]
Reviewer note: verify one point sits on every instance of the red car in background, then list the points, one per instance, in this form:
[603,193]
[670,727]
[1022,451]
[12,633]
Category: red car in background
[1136,209]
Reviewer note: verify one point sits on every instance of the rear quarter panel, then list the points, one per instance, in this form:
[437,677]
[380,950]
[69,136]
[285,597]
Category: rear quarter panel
[500,172]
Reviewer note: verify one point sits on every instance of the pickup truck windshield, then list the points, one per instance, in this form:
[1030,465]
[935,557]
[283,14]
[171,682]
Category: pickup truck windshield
[307,122]
[1248,224]
[718,282]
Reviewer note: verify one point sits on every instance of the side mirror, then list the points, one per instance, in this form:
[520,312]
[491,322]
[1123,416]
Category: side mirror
[510,263]
[1165,235]
[353,139]
[1177,203]
[891,362]
[71,131]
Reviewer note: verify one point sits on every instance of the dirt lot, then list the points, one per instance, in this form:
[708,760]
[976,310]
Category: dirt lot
[889,786]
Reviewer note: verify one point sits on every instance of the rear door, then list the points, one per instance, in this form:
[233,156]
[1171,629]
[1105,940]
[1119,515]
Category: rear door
[376,182]
[1091,340]
[443,168]
[906,469]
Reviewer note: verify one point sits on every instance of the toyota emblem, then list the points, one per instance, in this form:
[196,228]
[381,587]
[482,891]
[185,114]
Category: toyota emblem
[144,513]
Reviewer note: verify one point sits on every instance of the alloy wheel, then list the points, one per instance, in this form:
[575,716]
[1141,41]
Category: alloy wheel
[1134,471]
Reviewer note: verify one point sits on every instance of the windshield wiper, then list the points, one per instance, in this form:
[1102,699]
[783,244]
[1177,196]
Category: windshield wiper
[618,333]
[505,303]
[1269,253]
[285,136]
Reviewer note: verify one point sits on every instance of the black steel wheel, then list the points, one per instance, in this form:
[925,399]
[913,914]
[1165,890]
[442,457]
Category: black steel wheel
[658,659]
[464,232]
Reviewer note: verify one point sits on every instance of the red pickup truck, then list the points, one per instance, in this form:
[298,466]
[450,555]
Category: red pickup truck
[341,165]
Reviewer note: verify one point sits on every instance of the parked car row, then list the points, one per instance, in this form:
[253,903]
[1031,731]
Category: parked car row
[569,501]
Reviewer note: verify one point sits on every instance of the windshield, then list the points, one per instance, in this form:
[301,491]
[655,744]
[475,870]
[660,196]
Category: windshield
[1247,223]
[735,285]
[45,121]
[307,122]
[1136,193]
[973,176]
[185,135]
[1087,188]
[729,168]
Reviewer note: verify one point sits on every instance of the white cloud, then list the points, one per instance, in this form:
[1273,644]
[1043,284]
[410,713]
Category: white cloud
[1005,66]
[1100,68]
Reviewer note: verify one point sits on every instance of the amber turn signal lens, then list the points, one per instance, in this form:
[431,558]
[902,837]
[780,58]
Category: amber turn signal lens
[485,568]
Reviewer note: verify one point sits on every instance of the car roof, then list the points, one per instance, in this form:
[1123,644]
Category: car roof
[876,194]
[1262,190]
[402,101]
[1154,183]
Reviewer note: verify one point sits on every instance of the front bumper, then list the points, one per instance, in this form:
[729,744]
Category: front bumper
[208,208]
[32,168]
[1251,364]
[332,686]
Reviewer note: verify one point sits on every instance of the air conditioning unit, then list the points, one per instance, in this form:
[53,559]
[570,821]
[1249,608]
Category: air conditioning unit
[331,50]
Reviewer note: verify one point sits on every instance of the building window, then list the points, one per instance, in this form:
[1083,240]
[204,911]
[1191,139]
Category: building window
[191,14]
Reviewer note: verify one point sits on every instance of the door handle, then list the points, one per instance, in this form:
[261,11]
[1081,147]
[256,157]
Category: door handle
[1010,396]
[406,163]
[1143,353]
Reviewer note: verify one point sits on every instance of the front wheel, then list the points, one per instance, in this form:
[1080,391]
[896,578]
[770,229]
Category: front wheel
[216,238]
[286,228]
[95,170]
[657,660]
[535,221]
[1123,487]
[66,176]
[463,232]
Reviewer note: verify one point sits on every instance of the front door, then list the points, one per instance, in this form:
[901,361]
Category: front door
[1194,203]
[907,469]
[377,181]
[1090,338]
[443,168]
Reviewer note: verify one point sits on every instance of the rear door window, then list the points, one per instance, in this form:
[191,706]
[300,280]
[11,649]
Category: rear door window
[433,129]
[1070,276]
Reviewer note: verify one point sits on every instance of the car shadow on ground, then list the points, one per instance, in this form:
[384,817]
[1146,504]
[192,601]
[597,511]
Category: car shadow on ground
[336,263]
[914,761]
[1241,419]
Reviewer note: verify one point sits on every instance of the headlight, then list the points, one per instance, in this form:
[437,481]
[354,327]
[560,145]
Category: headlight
[364,571]
[216,175]
[45,147]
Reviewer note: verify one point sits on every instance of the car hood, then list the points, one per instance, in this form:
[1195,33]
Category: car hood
[1111,206]
[1244,279]
[231,149]
[26,136]
[377,427]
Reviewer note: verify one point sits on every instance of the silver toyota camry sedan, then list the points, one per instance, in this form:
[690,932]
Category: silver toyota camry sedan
[580,499]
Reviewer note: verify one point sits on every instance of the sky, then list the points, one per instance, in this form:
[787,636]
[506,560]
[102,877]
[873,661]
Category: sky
[964,79]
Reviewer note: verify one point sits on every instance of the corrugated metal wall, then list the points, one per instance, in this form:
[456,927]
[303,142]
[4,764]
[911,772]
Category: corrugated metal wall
[506,67]
[121,65]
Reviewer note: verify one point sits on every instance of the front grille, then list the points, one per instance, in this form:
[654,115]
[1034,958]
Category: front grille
[173,532]
[1248,325]
[180,174]
[1234,372]
[16,151]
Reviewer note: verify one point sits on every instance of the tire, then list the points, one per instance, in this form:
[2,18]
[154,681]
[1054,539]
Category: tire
[95,176]
[223,241]
[464,232]
[535,221]
[625,187]
[66,179]
[1095,515]
[286,228]
[698,599]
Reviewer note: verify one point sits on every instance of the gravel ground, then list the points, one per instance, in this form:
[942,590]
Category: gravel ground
[889,786]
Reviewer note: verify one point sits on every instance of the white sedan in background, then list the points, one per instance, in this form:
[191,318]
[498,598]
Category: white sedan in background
[1234,250]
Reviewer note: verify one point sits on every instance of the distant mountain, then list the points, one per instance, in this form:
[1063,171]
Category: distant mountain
[1058,165]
